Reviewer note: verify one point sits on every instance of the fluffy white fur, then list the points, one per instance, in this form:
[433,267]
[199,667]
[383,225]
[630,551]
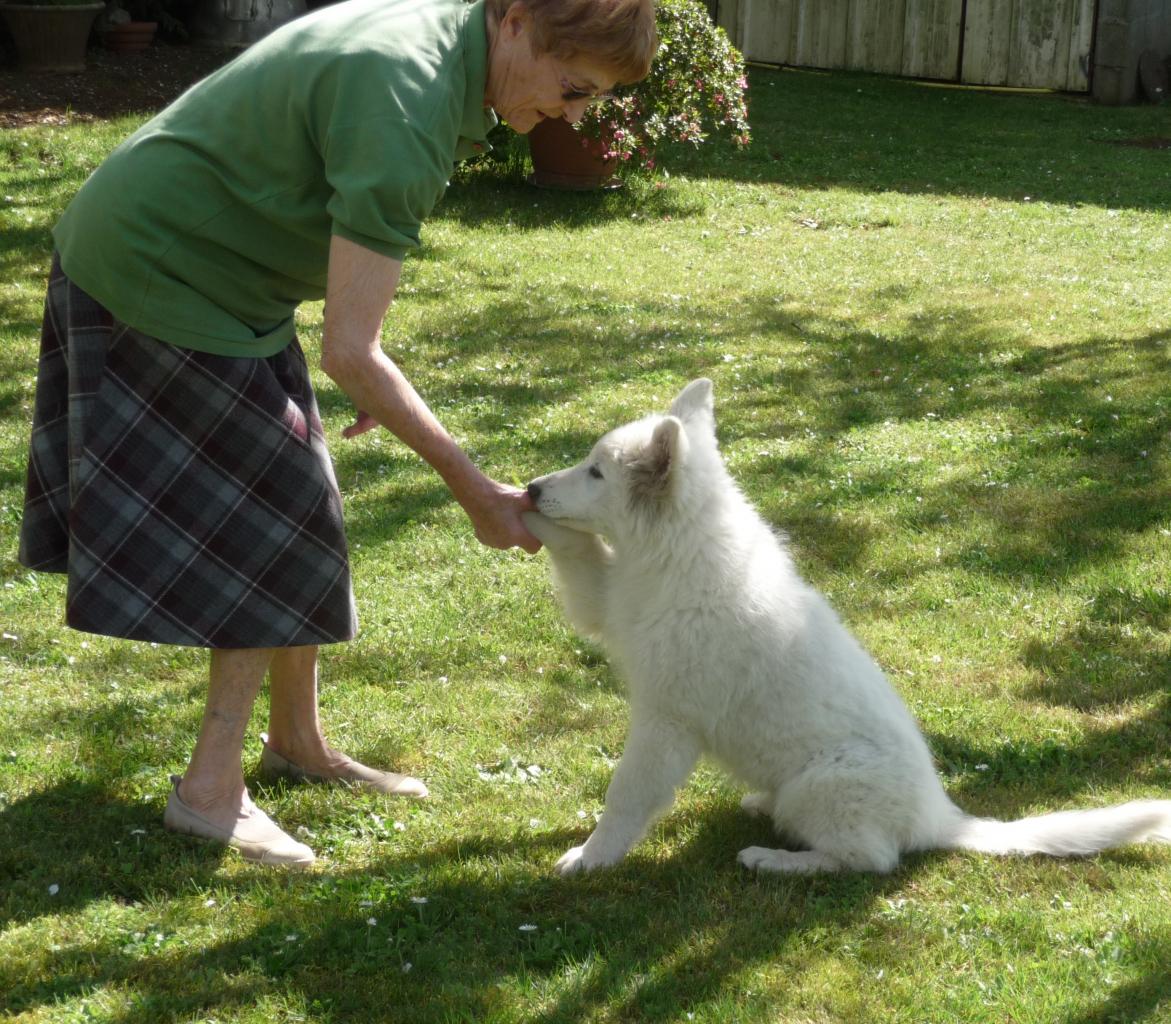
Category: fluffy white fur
[727,651]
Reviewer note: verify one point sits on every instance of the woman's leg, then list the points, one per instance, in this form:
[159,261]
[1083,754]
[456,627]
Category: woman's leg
[294,725]
[210,801]
[294,728]
[213,784]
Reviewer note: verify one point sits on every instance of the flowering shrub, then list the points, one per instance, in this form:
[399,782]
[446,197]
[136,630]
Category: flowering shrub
[695,88]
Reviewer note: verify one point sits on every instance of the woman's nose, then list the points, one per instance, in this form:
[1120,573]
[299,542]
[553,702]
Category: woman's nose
[574,110]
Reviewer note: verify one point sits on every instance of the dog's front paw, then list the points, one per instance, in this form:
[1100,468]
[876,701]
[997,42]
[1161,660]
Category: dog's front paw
[586,858]
[572,862]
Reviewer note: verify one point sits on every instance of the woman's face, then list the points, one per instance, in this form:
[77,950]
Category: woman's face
[524,89]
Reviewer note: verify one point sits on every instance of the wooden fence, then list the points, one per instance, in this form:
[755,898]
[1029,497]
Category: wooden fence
[1031,43]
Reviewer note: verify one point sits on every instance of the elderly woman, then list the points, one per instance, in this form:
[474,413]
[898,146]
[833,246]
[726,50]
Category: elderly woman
[177,469]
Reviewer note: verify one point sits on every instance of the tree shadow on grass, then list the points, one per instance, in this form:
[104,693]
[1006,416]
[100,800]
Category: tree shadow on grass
[1135,1001]
[1098,483]
[1037,775]
[645,941]
[875,134]
[1116,654]
[662,944]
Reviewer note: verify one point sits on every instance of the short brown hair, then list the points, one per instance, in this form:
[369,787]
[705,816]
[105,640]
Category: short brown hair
[619,35]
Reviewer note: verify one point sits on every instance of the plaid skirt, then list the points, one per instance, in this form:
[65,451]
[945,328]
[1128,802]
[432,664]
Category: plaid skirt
[189,497]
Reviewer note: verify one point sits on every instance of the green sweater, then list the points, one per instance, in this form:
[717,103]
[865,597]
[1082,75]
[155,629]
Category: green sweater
[210,224]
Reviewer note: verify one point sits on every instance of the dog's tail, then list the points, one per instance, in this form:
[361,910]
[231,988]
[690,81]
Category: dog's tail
[1065,833]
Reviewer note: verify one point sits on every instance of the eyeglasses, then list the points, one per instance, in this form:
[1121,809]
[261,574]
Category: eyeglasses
[572,90]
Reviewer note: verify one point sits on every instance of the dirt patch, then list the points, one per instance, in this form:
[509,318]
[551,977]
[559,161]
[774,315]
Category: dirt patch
[111,85]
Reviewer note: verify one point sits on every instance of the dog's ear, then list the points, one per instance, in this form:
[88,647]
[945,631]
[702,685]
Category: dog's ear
[652,472]
[694,402]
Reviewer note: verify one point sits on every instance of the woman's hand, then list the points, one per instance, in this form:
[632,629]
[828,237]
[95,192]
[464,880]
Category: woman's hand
[495,512]
[363,421]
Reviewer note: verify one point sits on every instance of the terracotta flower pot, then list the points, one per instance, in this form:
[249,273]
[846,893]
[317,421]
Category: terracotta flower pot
[50,37]
[130,36]
[563,158]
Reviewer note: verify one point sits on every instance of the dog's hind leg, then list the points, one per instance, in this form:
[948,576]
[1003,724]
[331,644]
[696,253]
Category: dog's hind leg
[793,862]
[847,849]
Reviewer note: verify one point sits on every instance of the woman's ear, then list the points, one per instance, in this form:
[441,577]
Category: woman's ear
[516,20]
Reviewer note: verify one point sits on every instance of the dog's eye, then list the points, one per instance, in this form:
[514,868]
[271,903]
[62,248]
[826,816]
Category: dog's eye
[595,473]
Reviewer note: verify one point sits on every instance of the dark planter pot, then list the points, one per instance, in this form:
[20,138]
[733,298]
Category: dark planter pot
[565,159]
[130,36]
[50,38]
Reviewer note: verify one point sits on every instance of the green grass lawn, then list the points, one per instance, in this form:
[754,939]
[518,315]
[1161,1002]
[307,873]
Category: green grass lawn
[939,324]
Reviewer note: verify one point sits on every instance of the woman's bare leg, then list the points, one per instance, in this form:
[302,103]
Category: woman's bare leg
[213,784]
[294,725]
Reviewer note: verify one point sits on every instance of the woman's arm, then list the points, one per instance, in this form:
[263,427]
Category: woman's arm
[359,291]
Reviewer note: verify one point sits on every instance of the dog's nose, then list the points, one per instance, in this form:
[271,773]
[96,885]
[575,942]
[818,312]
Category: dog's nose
[534,490]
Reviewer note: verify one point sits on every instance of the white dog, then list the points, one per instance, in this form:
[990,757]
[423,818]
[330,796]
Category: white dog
[727,651]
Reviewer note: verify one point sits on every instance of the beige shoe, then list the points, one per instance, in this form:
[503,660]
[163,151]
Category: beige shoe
[273,766]
[257,836]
